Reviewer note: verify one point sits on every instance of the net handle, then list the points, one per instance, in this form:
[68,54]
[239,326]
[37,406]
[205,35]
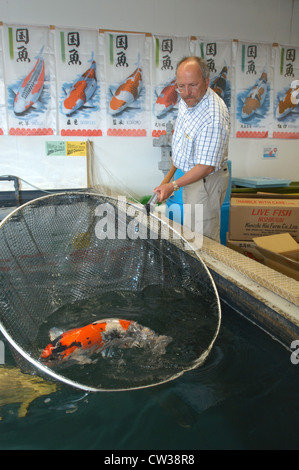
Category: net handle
[169,175]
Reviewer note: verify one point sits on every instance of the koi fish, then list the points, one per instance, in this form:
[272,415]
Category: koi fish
[81,91]
[127,92]
[167,99]
[290,101]
[255,99]
[219,84]
[31,88]
[101,337]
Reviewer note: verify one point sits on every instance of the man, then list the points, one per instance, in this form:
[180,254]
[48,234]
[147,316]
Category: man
[199,147]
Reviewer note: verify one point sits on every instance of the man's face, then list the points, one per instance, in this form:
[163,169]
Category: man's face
[190,83]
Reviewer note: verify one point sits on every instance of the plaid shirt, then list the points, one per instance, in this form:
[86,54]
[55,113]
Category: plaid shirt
[201,133]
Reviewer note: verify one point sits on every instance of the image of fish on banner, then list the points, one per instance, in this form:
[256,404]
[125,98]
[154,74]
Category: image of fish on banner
[254,90]
[30,80]
[218,55]
[127,84]
[78,70]
[286,95]
[167,52]
[3,120]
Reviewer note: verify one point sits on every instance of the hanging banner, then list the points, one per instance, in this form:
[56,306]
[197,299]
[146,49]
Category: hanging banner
[30,79]
[78,85]
[286,94]
[167,52]
[218,55]
[254,90]
[127,67]
[3,120]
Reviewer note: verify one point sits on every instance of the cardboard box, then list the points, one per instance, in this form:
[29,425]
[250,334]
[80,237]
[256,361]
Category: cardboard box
[254,215]
[247,248]
[280,252]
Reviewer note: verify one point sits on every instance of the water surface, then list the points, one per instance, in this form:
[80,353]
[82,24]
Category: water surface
[245,396]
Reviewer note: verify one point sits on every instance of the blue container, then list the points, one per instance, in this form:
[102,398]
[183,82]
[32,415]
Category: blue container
[174,205]
[229,188]
[224,217]
[224,222]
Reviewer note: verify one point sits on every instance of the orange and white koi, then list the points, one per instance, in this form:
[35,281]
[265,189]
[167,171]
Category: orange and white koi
[127,92]
[219,83]
[290,101]
[102,336]
[81,91]
[255,99]
[31,88]
[166,100]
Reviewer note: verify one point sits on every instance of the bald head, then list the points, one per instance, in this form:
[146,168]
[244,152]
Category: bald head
[193,61]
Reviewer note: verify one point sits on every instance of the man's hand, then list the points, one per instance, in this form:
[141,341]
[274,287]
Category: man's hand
[164,191]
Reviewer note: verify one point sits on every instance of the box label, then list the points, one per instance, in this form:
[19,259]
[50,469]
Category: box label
[249,220]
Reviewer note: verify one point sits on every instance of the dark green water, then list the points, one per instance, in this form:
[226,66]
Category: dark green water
[245,396]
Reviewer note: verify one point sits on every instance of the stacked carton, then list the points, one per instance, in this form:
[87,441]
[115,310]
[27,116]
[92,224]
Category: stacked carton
[260,216]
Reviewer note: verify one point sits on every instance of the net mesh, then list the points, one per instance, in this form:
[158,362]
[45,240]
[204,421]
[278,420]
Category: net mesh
[73,258]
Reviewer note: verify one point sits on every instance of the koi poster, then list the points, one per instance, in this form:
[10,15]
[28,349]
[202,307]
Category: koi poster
[167,52]
[286,93]
[78,82]
[218,55]
[254,90]
[127,66]
[3,121]
[30,80]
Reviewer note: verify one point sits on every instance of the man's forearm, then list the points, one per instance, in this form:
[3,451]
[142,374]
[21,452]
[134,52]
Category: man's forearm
[197,173]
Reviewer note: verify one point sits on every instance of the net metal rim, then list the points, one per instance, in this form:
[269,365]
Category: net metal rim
[46,371]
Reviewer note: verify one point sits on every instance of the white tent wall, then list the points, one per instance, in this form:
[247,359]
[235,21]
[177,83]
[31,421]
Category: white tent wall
[134,161]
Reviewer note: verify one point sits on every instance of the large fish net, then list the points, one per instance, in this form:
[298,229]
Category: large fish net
[71,259]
